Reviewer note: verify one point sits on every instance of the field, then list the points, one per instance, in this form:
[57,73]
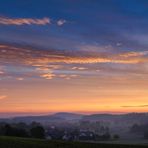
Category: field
[8,142]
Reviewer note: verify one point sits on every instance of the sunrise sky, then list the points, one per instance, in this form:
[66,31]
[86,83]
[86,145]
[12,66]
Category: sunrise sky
[73,56]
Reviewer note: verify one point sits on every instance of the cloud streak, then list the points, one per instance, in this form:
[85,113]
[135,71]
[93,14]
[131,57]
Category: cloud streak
[24,21]
[30,21]
[135,106]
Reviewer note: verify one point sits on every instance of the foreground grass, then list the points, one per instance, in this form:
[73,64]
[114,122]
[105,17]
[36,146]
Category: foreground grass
[12,142]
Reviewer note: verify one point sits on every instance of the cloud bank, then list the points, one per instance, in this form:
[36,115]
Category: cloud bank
[33,56]
[52,63]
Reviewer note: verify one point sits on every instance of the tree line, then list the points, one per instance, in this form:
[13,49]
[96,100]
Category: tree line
[33,130]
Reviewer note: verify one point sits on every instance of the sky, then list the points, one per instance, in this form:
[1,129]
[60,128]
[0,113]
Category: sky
[85,56]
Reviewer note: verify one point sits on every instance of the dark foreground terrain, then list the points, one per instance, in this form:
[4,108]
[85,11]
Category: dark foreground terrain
[8,142]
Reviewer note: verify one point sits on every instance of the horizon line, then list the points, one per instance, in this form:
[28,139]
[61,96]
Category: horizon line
[18,114]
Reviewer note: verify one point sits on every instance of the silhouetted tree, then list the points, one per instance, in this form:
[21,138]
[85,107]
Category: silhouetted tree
[37,132]
[14,131]
[8,130]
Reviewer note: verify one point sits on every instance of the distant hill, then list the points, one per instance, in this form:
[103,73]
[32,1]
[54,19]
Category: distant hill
[68,116]
[131,117]
[41,119]
[58,117]
[64,116]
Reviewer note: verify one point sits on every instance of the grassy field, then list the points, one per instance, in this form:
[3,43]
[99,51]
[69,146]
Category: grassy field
[8,142]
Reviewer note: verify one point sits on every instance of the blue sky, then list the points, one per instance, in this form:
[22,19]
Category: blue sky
[100,22]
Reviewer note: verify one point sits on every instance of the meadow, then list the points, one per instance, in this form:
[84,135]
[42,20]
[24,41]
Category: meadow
[14,142]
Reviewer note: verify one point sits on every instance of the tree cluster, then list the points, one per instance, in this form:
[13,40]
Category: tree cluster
[33,130]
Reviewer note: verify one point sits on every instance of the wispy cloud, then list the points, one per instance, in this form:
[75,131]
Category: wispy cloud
[134,54]
[3,97]
[68,77]
[30,21]
[24,21]
[1,72]
[78,68]
[20,79]
[61,22]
